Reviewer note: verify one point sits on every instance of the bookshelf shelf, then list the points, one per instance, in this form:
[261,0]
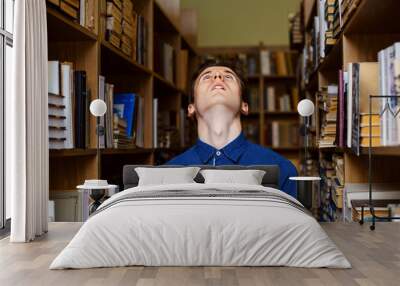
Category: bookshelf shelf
[281,113]
[71,31]
[116,58]
[374,19]
[127,151]
[163,20]
[309,11]
[72,152]
[278,77]
[382,151]
[285,149]
[165,82]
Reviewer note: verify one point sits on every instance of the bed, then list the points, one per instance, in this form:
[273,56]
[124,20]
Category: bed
[198,224]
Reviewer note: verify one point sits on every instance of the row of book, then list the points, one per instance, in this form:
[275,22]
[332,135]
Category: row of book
[331,188]
[296,37]
[275,99]
[281,63]
[328,104]
[266,62]
[81,11]
[124,120]
[281,134]
[69,116]
[164,59]
[126,30]
[332,16]
[68,106]
[353,110]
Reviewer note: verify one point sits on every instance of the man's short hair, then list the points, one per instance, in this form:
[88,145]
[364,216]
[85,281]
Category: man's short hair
[234,65]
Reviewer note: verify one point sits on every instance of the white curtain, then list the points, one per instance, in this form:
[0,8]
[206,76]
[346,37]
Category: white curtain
[27,124]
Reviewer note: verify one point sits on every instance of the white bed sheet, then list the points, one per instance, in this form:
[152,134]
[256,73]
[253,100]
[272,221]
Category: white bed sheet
[200,232]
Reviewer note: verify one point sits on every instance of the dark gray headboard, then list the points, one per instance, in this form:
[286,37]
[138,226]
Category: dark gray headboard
[270,179]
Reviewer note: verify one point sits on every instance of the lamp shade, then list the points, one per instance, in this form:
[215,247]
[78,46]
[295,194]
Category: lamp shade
[305,107]
[98,107]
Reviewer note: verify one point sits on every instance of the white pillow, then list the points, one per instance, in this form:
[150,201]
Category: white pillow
[249,177]
[164,176]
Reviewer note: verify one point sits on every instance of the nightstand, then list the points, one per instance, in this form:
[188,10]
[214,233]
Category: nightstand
[96,190]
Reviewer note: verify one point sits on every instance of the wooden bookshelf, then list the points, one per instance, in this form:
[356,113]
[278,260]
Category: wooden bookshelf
[369,29]
[90,51]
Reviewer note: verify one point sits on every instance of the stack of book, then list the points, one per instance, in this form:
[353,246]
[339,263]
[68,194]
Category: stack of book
[365,129]
[82,11]
[120,137]
[121,26]
[335,11]
[331,16]
[338,181]
[347,9]
[331,166]
[296,32]
[279,63]
[327,102]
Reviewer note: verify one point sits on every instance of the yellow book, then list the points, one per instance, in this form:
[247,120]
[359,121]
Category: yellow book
[376,141]
[376,131]
[364,119]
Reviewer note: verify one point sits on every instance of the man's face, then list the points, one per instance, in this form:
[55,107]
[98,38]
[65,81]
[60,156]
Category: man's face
[217,85]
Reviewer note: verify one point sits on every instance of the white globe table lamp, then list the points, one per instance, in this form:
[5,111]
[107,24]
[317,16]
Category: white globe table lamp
[305,108]
[97,187]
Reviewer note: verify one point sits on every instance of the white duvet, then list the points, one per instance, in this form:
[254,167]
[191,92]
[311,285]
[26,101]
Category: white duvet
[190,231]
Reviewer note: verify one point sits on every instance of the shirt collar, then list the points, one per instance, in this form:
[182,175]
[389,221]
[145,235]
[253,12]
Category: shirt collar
[233,150]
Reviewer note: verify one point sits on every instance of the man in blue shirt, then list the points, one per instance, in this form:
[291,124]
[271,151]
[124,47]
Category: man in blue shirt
[218,102]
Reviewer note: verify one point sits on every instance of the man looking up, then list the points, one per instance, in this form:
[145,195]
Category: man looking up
[218,100]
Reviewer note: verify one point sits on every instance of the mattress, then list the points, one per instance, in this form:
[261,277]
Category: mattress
[201,225]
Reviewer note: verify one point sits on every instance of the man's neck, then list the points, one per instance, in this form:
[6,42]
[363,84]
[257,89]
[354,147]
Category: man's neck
[218,128]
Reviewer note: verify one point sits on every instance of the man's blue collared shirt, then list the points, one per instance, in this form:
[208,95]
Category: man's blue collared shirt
[239,152]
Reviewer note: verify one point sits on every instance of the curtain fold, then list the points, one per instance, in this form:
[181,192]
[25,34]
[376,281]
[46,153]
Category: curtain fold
[27,124]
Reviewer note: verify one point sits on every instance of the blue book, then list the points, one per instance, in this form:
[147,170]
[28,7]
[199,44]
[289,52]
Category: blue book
[128,101]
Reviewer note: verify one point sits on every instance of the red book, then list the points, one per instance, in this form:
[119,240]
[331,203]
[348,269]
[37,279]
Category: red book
[341,106]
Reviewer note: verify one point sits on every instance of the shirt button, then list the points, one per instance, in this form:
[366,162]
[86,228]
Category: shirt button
[218,153]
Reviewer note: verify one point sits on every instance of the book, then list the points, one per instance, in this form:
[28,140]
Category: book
[54,2]
[113,11]
[69,10]
[53,72]
[128,100]
[73,3]
[365,83]
[155,131]
[114,25]
[109,98]
[340,111]
[67,91]
[182,59]
[265,62]
[81,97]
[102,96]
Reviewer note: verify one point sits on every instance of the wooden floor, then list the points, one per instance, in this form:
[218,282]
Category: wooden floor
[375,257]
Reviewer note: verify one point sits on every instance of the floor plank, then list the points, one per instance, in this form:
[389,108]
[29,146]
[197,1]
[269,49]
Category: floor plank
[374,255]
